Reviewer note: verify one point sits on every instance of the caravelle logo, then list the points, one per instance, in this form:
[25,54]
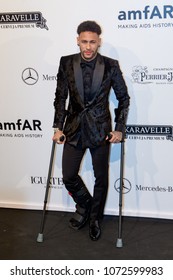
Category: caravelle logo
[126,186]
[16,20]
[149,132]
[141,75]
[30,76]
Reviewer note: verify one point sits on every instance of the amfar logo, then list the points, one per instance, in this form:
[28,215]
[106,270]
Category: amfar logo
[126,186]
[165,12]
[23,19]
[21,125]
[141,75]
[30,76]
[21,129]
[149,131]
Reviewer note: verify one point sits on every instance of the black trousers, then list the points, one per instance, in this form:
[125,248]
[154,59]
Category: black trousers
[71,163]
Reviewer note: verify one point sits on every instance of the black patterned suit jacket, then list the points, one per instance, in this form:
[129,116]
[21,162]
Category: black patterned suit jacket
[93,118]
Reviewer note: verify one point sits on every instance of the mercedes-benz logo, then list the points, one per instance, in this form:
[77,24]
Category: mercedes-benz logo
[30,76]
[126,185]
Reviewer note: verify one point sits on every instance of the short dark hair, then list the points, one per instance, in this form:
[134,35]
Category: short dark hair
[89,25]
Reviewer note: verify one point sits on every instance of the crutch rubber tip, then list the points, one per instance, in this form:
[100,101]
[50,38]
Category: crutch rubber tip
[119,243]
[40,237]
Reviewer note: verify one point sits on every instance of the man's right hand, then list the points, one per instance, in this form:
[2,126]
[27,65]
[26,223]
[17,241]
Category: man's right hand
[59,137]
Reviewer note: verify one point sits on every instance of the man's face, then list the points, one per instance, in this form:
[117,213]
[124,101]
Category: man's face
[88,42]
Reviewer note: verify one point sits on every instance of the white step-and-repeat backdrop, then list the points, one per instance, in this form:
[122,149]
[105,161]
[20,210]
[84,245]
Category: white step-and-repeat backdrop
[34,35]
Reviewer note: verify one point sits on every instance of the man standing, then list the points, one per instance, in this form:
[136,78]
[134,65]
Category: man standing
[85,80]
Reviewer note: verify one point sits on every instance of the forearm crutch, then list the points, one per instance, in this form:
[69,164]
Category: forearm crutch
[119,242]
[123,116]
[40,234]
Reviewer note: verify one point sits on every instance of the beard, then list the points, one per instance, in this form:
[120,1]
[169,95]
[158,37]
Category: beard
[88,55]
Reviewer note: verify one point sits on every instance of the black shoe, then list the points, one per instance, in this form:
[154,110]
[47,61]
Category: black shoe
[79,218]
[94,230]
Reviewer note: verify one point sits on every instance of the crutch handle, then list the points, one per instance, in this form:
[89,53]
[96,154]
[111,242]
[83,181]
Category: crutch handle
[109,136]
[61,139]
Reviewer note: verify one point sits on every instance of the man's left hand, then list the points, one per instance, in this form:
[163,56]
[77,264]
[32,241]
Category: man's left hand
[116,137]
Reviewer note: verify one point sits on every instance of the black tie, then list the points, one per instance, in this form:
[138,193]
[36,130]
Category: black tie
[90,64]
[87,70]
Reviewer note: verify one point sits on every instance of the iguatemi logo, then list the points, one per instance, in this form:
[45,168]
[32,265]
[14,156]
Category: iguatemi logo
[149,132]
[143,75]
[55,182]
[148,17]
[22,20]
